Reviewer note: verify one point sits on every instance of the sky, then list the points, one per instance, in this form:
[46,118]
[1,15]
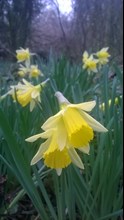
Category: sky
[65,6]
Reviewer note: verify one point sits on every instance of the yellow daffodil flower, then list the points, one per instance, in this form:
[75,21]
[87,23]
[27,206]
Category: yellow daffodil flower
[103,56]
[89,62]
[23,54]
[71,129]
[34,71]
[26,93]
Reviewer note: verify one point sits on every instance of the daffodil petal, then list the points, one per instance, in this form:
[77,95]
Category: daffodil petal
[32,105]
[86,106]
[39,99]
[51,122]
[34,94]
[105,49]
[39,154]
[47,133]
[95,125]
[27,83]
[59,171]
[85,149]
[33,138]
[75,158]
[85,55]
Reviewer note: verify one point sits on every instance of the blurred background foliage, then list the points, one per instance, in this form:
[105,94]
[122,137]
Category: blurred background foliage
[42,26]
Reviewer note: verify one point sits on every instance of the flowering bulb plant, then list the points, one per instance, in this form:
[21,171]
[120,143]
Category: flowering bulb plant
[71,129]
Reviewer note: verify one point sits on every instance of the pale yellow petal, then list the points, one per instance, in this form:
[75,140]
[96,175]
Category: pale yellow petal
[105,49]
[51,122]
[95,125]
[39,154]
[43,135]
[32,105]
[34,94]
[75,158]
[86,106]
[85,149]
[48,133]
[33,138]
[27,83]
[59,171]
[85,56]
[39,99]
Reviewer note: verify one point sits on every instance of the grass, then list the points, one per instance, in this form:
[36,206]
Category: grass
[92,194]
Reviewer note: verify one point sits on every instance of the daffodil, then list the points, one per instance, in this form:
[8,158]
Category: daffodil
[23,54]
[89,62]
[34,71]
[103,56]
[26,93]
[71,129]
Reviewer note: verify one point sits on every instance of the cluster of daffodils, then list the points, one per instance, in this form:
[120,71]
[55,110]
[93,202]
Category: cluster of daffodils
[25,68]
[67,132]
[94,61]
[25,93]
